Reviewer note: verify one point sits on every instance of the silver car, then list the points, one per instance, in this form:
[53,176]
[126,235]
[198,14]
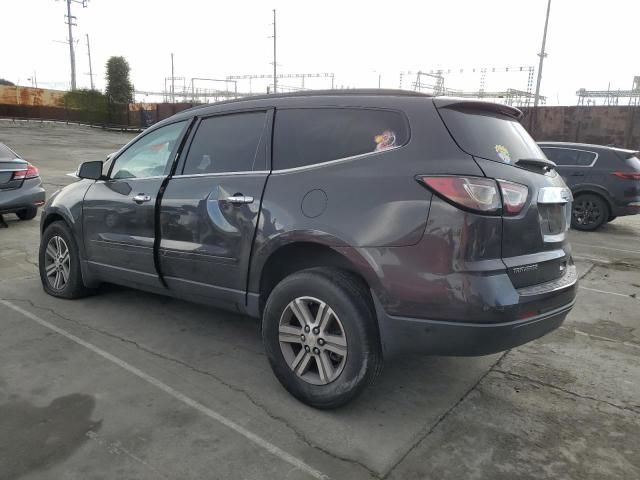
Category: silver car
[21,189]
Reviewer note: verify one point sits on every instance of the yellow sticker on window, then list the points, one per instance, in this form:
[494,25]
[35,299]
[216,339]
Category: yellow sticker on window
[503,153]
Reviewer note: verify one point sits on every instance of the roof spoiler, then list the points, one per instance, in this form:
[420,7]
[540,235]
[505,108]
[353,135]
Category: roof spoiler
[463,103]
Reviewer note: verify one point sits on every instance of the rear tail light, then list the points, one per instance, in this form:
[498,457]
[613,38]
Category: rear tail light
[627,175]
[479,194]
[514,196]
[472,193]
[30,172]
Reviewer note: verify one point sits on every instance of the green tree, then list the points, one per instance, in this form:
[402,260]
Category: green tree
[119,87]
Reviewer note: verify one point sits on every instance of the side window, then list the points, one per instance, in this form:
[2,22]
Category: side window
[149,156]
[227,143]
[309,136]
[586,158]
[569,157]
[561,156]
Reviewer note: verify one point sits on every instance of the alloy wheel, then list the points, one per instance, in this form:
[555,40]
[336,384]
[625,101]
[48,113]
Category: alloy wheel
[313,340]
[57,262]
[587,212]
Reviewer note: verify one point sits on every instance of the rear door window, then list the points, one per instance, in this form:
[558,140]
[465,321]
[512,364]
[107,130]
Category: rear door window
[314,135]
[490,135]
[570,157]
[227,143]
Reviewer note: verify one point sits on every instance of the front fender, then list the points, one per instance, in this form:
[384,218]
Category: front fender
[67,204]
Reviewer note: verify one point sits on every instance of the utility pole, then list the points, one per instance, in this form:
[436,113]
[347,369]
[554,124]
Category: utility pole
[173,83]
[70,21]
[275,74]
[90,68]
[542,55]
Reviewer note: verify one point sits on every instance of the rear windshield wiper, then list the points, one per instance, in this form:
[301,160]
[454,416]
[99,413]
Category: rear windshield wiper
[542,163]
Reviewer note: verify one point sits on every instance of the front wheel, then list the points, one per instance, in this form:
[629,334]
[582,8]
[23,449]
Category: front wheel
[321,337]
[59,263]
[590,212]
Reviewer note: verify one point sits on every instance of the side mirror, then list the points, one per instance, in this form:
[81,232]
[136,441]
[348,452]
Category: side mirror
[90,170]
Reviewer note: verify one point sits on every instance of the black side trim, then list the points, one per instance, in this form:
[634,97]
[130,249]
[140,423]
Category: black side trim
[156,216]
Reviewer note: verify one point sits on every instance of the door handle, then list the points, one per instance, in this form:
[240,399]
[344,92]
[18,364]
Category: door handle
[141,198]
[240,199]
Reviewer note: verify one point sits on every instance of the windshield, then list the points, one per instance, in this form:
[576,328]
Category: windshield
[490,135]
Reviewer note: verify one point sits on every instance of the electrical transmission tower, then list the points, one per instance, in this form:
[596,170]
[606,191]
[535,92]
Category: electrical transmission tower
[70,20]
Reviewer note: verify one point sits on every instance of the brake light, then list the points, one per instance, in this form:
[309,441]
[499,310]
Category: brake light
[514,196]
[627,175]
[479,194]
[30,172]
[472,193]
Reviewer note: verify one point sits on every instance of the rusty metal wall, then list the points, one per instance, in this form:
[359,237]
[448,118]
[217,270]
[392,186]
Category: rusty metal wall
[603,125]
[16,95]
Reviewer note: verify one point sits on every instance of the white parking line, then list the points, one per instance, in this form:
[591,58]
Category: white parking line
[607,292]
[271,448]
[599,337]
[606,248]
[590,259]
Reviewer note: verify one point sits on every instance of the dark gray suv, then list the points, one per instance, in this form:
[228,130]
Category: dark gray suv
[605,181]
[355,224]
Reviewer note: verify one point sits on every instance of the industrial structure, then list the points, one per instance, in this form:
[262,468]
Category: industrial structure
[437,82]
[611,97]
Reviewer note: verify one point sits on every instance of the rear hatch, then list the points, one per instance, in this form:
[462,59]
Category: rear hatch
[629,175]
[535,246]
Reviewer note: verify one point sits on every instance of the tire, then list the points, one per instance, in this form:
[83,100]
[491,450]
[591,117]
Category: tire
[351,318]
[27,214]
[612,218]
[589,212]
[59,235]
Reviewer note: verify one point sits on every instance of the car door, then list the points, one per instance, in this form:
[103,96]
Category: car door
[574,165]
[119,212]
[209,211]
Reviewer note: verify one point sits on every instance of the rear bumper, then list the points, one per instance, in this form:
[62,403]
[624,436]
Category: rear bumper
[411,335]
[29,195]
[540,309]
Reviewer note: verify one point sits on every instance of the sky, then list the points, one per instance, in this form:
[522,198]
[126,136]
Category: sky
[361,42]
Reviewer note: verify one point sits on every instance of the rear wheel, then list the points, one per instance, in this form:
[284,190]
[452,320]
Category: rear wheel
[59,263]
[590,212]
[27,214]
[321,337]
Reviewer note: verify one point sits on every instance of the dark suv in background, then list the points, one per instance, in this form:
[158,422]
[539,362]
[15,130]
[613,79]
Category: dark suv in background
[356,224]
[605,181]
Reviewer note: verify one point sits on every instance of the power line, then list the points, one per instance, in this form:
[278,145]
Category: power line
[90,67]
[542,55]
[275,65]
[70,20]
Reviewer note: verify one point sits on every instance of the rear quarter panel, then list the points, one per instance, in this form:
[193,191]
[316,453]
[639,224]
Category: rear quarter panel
[370,201]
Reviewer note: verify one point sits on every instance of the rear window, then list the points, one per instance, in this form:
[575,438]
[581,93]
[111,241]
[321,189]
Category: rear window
[633,162]
[490,135]
[569,156]
[6,153]
[314,135]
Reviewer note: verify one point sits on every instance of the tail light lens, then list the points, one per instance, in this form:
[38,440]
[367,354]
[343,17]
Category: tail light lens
[627,175]
[479,194]
[30,172]
[472,193]
[514,197]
